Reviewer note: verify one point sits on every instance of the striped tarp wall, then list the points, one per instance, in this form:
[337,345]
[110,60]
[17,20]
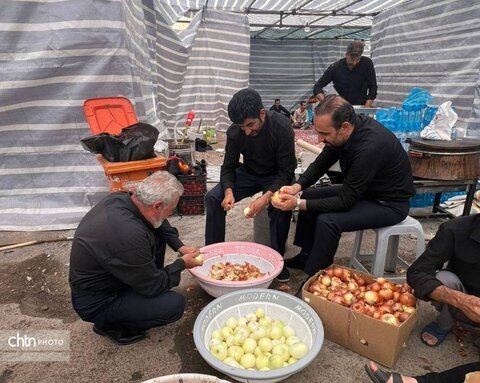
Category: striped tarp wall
[53,56]
[473,129]
[289,69]
[434,45]
[199,68]
[218,66]
[56,54]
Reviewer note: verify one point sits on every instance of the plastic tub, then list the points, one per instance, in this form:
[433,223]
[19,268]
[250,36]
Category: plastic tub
[266,259]
[278,305]
[126,176]
[183,150]
[187,378]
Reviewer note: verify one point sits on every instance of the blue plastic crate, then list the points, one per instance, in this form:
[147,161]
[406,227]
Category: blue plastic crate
[422,200]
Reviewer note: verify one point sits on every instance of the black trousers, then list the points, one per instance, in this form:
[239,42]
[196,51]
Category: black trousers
[319,234]
[246,185]
[127,308]
[454,375]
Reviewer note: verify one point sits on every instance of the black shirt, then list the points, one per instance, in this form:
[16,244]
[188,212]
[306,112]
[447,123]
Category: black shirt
[374,164]
[280,110]
[353,84]
[271,152]
[114,248]
[456,242]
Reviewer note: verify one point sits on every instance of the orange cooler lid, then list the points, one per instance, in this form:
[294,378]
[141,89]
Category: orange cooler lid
[109,115]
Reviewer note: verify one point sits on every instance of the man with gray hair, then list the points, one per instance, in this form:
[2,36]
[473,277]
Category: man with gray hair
[117,273]
[352,77]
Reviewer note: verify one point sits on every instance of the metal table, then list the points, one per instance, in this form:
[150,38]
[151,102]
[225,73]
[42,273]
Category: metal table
[438,187]
[360,109]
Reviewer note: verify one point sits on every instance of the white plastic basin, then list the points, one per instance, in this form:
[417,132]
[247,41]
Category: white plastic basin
[278,305]
[265,258]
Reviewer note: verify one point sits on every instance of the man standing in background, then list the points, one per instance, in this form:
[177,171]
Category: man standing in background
[353,77]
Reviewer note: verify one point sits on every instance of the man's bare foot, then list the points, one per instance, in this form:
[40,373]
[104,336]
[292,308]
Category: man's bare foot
[405,379]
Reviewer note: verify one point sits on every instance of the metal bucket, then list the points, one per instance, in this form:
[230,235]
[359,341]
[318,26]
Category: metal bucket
[184,150]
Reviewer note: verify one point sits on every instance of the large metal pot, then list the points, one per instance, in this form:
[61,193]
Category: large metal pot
[445,160]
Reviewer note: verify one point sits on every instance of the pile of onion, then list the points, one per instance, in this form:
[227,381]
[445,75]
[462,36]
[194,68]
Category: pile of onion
[382,299]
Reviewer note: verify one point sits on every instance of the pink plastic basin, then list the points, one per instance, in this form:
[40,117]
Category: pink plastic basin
[266,259]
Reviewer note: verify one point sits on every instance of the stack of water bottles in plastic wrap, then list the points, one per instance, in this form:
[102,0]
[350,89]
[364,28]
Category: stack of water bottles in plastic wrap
[411,118]
[408,121]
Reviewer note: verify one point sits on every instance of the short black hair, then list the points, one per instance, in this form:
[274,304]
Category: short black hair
[277,99]
[302,102]
[246,103]
[355,48]
[339,108]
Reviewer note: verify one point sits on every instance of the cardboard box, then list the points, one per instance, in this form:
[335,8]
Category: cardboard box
[372,338]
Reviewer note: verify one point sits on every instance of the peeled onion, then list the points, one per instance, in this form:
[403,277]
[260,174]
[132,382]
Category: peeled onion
[408,309]
[371,297]
[352,286]
[390,319]
[326,280]
[349,298]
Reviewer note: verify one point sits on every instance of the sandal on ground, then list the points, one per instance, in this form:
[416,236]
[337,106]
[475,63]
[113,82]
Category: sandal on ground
[435,331]
[381,376]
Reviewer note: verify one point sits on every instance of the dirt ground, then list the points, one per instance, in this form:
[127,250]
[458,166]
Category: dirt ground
[34,295]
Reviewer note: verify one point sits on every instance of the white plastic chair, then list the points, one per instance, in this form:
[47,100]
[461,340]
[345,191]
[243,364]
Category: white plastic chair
[386,248]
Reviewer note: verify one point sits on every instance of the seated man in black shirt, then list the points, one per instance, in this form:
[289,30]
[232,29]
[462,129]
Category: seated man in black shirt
[117,273]
[352,76]
[266,141]
[375,192]
[454,290]
[277,107]
[453,375]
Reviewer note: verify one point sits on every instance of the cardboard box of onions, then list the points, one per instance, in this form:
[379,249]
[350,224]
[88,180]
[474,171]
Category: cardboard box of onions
[373,317]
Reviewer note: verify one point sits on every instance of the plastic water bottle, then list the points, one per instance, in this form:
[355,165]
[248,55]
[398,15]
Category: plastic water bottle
[454,133]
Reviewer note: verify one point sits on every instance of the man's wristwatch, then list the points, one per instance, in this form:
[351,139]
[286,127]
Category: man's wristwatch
[297,206]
